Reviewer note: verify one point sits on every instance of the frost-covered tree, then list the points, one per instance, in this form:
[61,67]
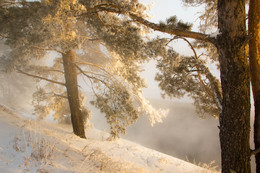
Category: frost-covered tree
[104,48]
[188,75]
[234,102]
[208,23]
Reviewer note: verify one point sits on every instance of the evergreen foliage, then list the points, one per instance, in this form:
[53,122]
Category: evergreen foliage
[34,28]
[185,75]
[110,49]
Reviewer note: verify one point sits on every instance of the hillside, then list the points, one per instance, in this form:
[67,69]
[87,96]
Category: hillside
[182,134]
[35,146]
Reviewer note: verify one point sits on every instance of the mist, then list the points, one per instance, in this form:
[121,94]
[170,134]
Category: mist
[183,134]
[16,91]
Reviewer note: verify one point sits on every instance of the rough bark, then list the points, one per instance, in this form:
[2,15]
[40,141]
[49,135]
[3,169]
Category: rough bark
[254,59]
[234,69]
[72,93]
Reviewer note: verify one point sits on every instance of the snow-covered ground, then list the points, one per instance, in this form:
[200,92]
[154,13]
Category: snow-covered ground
[29,145]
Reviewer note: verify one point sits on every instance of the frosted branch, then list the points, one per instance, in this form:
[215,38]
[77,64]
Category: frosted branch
[42,78]
[165,29]
[47,49]
[154,116]
[216,93]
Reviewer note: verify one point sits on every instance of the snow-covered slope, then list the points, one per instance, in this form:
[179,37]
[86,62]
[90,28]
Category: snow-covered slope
[28,145]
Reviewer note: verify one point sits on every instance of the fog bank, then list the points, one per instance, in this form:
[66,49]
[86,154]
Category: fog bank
[182,134]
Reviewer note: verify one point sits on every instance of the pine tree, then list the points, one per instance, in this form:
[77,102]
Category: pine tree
[68,27]
[210,20]
[230,43]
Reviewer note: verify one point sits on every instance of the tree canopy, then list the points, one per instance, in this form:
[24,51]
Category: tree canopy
[120,27]
[109,49]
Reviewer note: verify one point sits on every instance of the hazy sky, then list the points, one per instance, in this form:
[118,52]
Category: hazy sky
[164,8]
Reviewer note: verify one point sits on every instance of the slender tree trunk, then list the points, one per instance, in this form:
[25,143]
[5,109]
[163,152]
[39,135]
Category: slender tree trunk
[235,116]
[72,92]
[254,59]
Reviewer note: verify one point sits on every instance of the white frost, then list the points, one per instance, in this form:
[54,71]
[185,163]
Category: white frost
[215,34]
[154,116]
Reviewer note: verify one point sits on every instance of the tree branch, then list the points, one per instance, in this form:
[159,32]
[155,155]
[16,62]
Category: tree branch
[42,78]
[47,49]
[96,74]
[157,27]
[173,31]
[216,93]
[254,152]
[112,77]
[89,38]
[58,95]
[101,20]
[7,4]
[59,71]
[88,76]
[99,67]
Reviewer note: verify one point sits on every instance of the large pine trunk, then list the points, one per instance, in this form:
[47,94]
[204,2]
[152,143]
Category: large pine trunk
[72,92]
[254,58]
[234,69]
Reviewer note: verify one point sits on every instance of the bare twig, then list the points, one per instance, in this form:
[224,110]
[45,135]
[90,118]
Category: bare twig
[89,38]
[88,76]
[91,83]
[112,77]
[42,78]
[58,95]
[47,49]
[99,67]
[101,19]
[59,71]
[96,74]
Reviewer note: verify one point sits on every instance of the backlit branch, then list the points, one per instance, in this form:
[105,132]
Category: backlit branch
[59,71]
[42,78]
[96,74]
[171,30]
[112,77]
[47,49]
[216,93]
[58,95]
[99,67]
[88,76]
[157,27]
[8,3]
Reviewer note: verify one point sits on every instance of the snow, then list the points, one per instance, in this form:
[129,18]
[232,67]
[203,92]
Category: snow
[215,34]
[29,145]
